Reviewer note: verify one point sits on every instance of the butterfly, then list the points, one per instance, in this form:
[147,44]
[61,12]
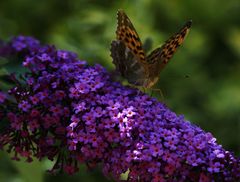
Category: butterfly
[131,60]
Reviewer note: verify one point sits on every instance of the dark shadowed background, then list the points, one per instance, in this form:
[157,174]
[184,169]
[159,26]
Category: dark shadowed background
[202,81]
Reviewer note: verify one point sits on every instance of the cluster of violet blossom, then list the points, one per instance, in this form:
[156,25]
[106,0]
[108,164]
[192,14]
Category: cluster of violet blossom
[65,110]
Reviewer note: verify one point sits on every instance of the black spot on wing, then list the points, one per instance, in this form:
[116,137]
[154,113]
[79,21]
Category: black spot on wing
[133,43]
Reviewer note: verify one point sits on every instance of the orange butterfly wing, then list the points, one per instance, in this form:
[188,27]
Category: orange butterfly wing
[163,54]
[127,52]
[127,33]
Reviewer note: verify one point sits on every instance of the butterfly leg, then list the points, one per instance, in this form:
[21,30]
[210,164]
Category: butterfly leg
[161,93]
[158,90]
[138,92]
[151,93]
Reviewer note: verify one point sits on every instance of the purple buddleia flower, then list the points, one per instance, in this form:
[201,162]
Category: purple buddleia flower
[24,105]
[2,97]
[23,42]
[156,150]
[68,110]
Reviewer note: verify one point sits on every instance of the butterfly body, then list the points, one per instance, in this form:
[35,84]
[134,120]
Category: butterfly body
[130,58]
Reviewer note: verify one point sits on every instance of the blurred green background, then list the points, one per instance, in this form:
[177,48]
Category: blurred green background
[210,58]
